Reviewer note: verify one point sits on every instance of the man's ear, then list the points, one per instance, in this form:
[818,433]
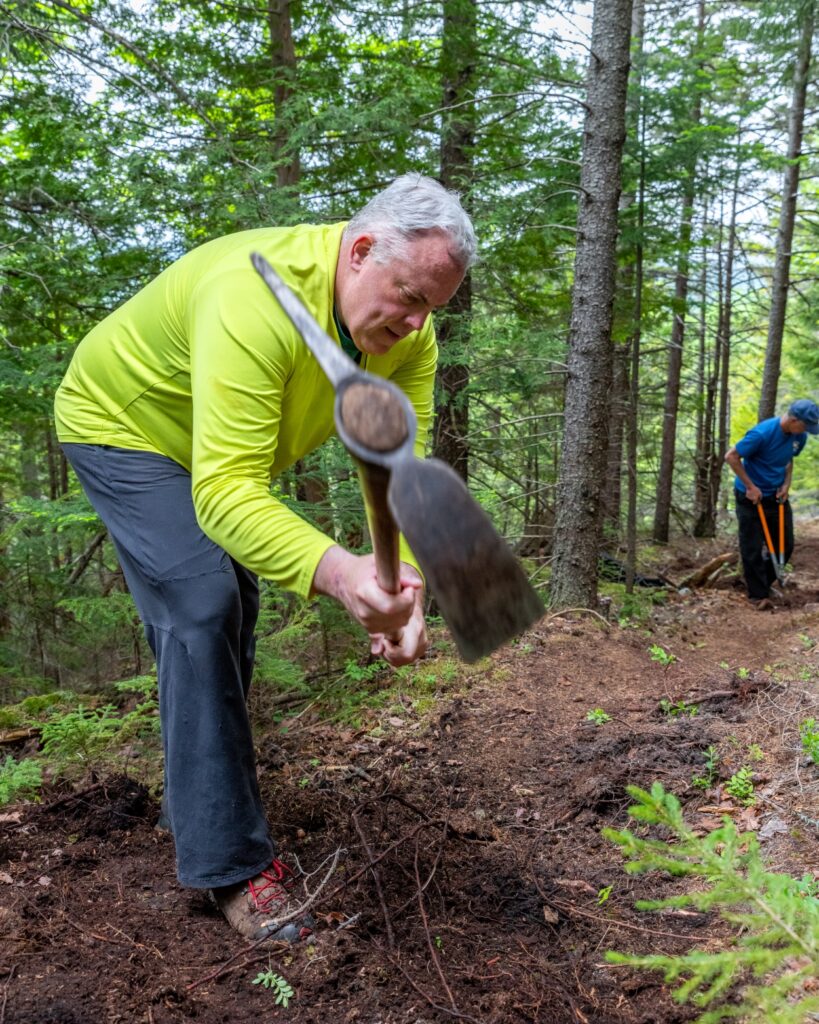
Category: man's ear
[360,250]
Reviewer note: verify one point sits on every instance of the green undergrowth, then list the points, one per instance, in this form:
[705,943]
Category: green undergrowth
[308,661]
[764,973]
[363,692]
[79,734]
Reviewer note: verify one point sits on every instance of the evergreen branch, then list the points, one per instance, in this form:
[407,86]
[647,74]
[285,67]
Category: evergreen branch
[777,950]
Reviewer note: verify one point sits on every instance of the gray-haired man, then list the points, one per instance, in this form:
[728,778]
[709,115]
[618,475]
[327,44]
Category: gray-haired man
[176,413]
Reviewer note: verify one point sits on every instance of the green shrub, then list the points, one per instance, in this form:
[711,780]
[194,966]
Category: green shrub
[79,736]
[765,974]
[19,779]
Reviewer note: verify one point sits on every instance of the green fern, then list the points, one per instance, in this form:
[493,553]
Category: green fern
[768,968]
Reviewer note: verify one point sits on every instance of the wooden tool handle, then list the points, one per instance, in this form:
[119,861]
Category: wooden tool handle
[375,419]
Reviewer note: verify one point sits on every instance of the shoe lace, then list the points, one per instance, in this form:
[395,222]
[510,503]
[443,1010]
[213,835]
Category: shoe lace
[270,888]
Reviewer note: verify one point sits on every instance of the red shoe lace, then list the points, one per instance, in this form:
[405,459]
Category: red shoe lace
[270,887]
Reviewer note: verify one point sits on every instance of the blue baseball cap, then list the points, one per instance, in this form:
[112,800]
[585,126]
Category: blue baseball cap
[808,412]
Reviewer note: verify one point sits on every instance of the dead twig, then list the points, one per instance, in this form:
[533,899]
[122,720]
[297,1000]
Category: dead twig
[375,860]
[436,1006]
[425,921]
[6,988]
[570,908]
[68,798]
[700,576]
[378,887]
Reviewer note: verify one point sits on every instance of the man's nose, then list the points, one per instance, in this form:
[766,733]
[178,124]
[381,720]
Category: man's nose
[415,321]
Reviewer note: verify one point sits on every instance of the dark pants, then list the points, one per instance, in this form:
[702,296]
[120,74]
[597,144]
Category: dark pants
[756,563]
[199,609]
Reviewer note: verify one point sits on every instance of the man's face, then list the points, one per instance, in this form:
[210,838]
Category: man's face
[384,302]
[794,426]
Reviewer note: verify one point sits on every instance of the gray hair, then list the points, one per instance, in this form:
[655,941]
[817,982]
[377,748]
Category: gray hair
[412,206]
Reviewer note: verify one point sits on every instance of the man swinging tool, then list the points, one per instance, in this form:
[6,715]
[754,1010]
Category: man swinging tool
[763,463]
[176,413]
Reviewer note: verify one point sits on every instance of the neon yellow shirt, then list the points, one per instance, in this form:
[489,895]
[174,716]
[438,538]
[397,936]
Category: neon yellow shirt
[203,366]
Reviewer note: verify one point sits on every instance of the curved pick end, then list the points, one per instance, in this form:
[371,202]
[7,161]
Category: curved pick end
[483,593]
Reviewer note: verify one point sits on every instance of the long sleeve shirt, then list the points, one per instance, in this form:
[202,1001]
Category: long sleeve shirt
[204,367]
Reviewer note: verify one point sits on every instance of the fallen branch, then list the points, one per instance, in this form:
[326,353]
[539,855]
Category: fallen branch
[699,577]
[18,735]
[582,611]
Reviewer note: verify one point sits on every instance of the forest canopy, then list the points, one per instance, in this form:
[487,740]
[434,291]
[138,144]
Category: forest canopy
[136,131]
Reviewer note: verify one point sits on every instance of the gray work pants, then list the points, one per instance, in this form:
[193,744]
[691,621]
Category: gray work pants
[199,610]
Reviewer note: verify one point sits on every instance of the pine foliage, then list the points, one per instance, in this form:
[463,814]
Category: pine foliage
[765,974]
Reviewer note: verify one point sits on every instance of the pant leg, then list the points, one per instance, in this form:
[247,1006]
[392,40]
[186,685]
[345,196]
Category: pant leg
[758,571]
[789,536]
[199,611]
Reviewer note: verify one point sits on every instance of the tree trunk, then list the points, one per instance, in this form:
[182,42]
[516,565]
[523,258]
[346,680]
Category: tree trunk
[706,523]
[636,122]
[784,237]
[458,46]
[283,58]
[665,480]
[662,510]
[583,461]
[618,404]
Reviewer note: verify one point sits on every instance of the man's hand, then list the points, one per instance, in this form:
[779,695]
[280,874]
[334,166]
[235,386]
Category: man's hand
[753,493]
[734,460]
[782,493]
[412,640]
[351,579]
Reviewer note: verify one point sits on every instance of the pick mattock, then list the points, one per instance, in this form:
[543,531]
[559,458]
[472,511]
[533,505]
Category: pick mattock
[777,557]
[483,593]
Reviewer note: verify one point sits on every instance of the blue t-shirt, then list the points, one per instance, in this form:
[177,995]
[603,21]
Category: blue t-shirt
[766,452]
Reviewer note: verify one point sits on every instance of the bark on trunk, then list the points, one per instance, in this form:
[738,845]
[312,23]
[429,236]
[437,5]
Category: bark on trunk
[583,461]
[636,122]
[665,480]
[784,237]
[618,405]
[458,47]
[705,524]
[283,57]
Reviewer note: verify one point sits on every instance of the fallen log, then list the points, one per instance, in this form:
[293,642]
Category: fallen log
[18,735]
[699,577]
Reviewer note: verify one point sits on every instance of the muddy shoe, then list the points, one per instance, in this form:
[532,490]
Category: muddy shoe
[765,605]
[255,907]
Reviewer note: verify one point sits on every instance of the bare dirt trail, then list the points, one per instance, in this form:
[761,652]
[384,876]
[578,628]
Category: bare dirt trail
[470,886]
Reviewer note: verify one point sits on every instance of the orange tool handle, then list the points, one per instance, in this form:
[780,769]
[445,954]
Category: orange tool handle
[781,533]
[767,532]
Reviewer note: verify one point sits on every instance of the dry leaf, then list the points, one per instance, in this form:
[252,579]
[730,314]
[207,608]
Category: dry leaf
[6,878]
[748,819]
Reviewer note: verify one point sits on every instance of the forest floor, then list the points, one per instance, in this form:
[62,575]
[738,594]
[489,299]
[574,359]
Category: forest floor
[473,880]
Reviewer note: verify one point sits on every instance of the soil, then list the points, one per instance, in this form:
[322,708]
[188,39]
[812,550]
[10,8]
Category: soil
[472,878]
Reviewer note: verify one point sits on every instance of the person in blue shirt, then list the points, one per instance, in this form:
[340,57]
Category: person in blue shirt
[763,464]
